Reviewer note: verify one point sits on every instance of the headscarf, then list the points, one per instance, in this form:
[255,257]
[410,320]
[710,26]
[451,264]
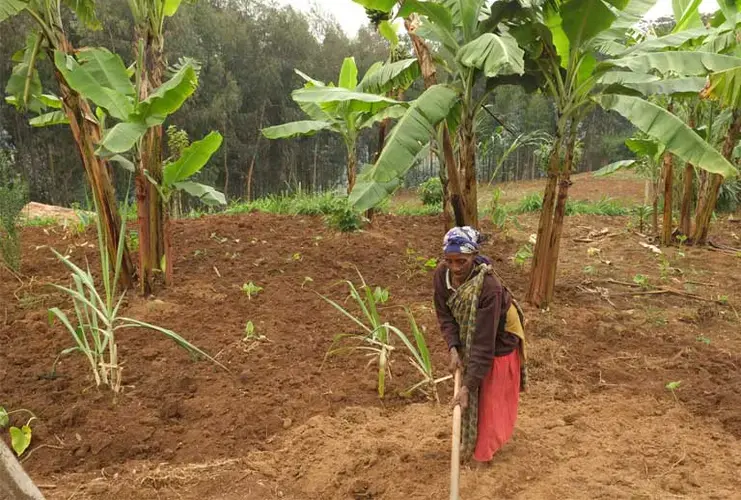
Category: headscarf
[463,239]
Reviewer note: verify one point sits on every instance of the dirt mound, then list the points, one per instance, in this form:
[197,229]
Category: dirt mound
[35,210]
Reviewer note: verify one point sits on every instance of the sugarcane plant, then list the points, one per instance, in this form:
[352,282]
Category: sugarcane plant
[420,359]
[375,339]
[98,318]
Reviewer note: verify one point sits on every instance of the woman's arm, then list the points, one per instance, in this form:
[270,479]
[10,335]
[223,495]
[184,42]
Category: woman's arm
[484,339]
[448,325]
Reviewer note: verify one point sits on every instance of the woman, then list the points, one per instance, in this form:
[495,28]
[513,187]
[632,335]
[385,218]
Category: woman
[483,329]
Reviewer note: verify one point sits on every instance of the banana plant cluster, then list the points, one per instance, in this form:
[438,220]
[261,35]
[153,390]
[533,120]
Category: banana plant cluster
[349,107]
[474,47]
[566,43]
[101,76]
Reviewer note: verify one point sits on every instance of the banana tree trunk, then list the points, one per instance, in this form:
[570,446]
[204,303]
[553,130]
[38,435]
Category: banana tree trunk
[429,75]
[709,197]
[668,172]
[666,230]
[554,245]
[467,157]
[688,177]
[685,218]
[153,250]
[655,212]
[352,162]
[86,132]
[538,272]
[457,201]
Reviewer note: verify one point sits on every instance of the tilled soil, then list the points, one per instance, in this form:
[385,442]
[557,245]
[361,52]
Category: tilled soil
[597,422]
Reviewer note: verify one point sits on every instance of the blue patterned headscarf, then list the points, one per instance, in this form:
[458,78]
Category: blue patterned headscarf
[464,239]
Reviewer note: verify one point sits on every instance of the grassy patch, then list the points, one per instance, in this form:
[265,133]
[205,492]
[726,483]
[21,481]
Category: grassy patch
[606,206]
[412,210]
[44,221]
[290,204]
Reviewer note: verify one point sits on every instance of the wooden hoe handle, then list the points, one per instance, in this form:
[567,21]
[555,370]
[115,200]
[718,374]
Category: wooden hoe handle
[455,453]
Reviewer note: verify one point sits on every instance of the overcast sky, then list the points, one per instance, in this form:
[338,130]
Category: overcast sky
[352,16]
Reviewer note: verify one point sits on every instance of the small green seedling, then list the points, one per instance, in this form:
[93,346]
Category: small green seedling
[673,386]
[665,267]
[705,340]
[297,257]
[723,299]
[306,280]
[682,239]
[589,270]
[20,438]
[250,334]
[381,295]
[524,253]
[417,264]
[250,289]
[641,280]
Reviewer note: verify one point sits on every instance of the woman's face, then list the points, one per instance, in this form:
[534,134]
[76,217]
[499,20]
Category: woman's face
[460,264]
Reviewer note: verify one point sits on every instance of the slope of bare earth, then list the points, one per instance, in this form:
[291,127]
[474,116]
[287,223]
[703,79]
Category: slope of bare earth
[597,421]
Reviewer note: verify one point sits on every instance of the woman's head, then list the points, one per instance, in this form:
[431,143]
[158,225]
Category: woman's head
[460,247]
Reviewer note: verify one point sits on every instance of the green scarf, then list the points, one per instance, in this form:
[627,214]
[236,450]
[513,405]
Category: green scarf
[463,303]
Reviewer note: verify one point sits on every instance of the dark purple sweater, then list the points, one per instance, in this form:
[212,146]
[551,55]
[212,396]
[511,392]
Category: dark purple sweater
[490,339]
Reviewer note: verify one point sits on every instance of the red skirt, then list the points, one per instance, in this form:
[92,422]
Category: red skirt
[499,395]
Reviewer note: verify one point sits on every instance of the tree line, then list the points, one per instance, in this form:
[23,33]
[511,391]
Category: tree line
[248,50]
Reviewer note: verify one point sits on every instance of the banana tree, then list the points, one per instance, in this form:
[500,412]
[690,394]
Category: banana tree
[24,91]
[647,164]
[564,40]
[723,88]
[472,49]
[349,107]
[101,76]
[149,19]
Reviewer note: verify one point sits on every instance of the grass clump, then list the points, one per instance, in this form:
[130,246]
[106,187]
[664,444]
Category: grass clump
[337,212]
[533,202]
[415,211]
[13,197]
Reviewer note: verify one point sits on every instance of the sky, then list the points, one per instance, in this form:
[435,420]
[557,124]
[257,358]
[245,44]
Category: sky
[352,16]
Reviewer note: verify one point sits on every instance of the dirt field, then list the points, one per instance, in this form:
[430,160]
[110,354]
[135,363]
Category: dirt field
[597,421]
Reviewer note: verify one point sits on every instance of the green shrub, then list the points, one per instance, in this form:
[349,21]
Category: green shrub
[13,197]
[431,192]
[344,218]
[530,203]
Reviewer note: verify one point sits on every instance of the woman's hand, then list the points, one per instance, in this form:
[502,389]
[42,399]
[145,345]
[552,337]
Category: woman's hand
[455,360]
[461,398]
